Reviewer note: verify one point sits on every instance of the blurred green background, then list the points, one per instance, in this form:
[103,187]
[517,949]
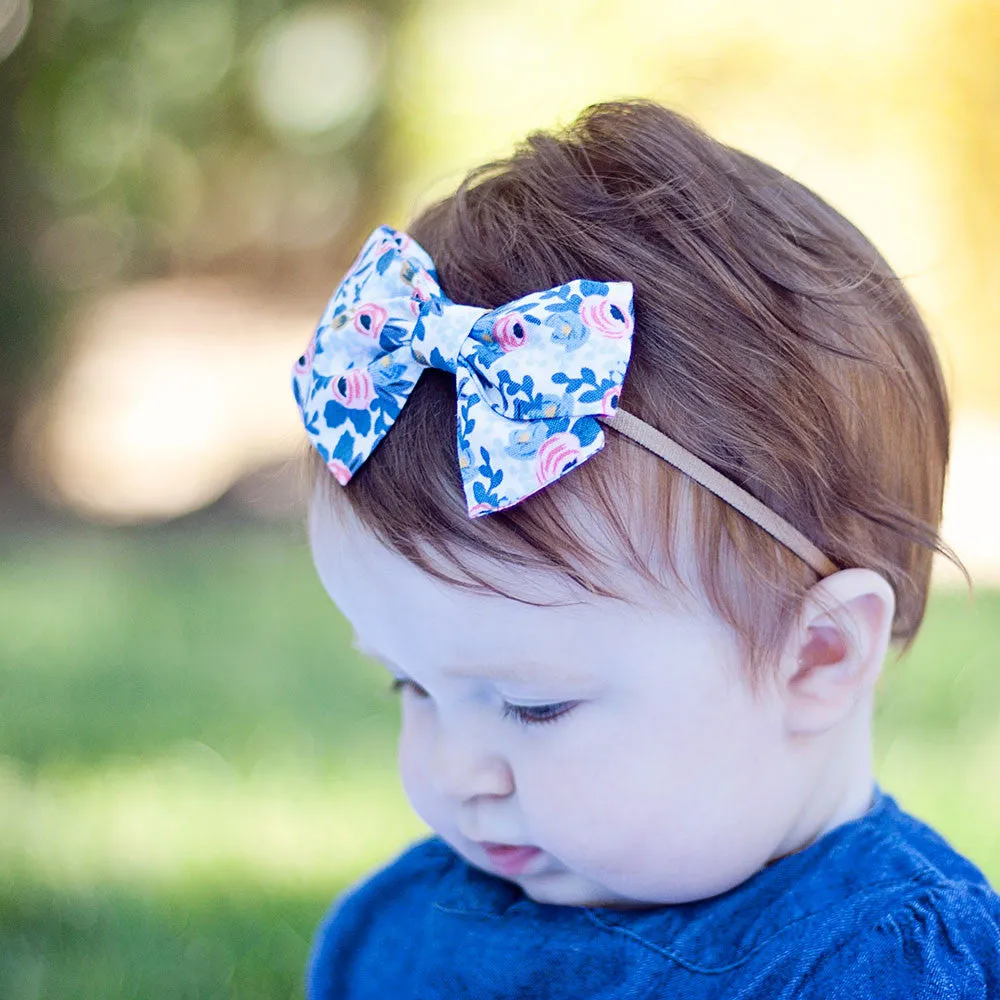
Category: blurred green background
[193,762]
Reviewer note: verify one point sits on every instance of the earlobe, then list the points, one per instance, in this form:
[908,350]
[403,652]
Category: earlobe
[835,651]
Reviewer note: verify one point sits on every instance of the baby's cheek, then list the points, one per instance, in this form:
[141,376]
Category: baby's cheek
[617,827]
[591,798]
[412,773]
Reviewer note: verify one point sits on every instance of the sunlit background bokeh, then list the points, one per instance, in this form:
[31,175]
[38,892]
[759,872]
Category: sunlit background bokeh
[192,760]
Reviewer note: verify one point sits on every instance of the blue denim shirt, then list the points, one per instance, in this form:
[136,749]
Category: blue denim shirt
[879,907]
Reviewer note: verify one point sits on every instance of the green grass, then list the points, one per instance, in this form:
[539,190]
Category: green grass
[194,762]
[198,942]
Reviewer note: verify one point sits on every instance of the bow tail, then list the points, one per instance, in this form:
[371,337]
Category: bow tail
[503,460]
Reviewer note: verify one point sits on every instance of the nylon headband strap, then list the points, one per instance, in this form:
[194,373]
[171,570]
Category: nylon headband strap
[701,472]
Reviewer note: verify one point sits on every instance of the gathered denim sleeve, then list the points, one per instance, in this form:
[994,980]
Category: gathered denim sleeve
[941,944]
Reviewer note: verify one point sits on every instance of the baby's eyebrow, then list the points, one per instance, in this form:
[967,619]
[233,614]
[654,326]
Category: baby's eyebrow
[508,673]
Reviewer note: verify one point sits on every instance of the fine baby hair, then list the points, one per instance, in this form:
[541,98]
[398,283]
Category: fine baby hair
[771,341]
[628,461]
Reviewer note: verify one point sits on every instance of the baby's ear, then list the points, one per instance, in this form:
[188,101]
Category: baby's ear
[836,648]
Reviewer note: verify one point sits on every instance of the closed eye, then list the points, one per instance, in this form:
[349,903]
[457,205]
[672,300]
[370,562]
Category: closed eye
[534,715]
[528,715]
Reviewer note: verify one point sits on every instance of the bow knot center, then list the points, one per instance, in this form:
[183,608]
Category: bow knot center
[440,331]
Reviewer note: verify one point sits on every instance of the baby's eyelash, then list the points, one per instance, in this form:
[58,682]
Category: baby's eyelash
[398,684]
[525,714]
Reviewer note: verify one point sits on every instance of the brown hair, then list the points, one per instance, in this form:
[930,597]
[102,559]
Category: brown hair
[771,339]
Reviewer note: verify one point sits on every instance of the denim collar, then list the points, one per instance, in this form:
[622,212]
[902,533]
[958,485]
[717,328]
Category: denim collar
[711,935]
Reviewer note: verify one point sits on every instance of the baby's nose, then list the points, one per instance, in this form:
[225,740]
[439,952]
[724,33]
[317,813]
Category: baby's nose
[461,766]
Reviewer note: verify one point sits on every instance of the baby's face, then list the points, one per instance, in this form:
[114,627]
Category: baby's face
[617,739]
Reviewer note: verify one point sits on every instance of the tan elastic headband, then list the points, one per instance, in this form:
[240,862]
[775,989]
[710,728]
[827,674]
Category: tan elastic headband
[701,472]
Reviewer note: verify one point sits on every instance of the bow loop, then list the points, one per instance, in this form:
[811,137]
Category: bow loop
[555,353]
[532,375]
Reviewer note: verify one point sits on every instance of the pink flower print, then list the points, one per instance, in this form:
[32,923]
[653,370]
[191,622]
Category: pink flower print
[423,285]
[354,389]
[477,510]
[369,318]
[609,403]
[340,471]
[557,454]
[384,245]
[606,317]
[305,362]
[509,332]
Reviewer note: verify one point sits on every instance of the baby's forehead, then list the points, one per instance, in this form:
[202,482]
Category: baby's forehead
[545,637]
[489,662]
[511,586]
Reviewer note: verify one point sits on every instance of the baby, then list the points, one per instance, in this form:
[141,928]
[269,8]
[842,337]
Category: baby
[630,467]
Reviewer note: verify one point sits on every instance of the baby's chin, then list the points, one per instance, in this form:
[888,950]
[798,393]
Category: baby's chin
[561,887]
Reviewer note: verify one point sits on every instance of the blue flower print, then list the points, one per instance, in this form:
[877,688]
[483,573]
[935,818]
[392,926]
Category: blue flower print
[485,494]
[543,406]
[387,372]
[607,390]
[567,329]
[337,415]
[525,441]
[466,463]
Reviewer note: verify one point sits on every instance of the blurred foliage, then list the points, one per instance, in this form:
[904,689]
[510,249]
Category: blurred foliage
[259,140]
[166,136]
[968,107]
[194,761]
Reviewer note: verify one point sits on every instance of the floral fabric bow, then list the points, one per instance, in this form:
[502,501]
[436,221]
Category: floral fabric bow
[532,376]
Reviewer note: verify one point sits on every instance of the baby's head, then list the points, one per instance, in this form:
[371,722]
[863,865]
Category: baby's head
[621,668]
